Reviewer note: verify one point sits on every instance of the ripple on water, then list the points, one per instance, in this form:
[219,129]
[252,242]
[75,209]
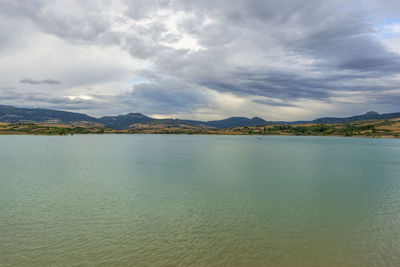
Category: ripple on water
[157,200]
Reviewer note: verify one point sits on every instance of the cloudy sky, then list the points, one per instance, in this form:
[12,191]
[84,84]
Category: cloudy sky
[205,59]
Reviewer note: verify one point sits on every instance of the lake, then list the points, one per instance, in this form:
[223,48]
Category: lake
[181,200]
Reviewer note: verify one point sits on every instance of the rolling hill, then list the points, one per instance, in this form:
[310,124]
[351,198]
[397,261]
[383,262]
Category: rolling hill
[12,114]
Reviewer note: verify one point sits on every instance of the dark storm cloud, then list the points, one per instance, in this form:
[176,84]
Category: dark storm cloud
[45,81]
[163,95]
[281,85]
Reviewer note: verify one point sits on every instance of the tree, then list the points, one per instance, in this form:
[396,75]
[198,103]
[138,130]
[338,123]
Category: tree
[62,131]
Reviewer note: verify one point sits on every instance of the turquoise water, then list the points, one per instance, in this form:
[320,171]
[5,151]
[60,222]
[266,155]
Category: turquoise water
[167,200]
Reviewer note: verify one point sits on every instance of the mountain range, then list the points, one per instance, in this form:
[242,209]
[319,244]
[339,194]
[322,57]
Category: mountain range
[14,115]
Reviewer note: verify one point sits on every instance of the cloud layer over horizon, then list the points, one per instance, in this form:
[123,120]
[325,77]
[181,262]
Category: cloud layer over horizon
[286,60]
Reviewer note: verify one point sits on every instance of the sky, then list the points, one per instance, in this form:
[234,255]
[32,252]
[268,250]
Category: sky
[279,60]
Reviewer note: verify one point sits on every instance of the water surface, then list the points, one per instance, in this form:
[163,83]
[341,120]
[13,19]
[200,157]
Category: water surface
[152,200]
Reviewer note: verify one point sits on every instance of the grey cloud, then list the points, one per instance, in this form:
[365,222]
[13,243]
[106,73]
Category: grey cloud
[164,95]
[62,19]
[273,103]
[50,81]
[286,50]
[383,8]
[38,99]
[34,82]
[30,81]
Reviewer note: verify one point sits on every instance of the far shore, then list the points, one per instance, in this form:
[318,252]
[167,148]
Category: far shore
[369,129]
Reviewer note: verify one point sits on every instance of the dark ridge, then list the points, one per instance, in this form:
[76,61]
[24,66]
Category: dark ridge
[236,122]
[14,115]
[124,121]
[372,115]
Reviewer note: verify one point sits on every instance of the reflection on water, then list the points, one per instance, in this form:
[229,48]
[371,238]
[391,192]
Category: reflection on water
[199,200]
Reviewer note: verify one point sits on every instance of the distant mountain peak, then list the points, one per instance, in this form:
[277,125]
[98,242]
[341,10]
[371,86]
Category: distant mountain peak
[236,122]
[372,113]
[257,118]
[136,114]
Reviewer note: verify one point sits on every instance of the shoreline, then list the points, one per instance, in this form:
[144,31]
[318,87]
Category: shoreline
[365,129]
[204,134]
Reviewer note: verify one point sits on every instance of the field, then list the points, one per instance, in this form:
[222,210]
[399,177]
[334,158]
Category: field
[370,128]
